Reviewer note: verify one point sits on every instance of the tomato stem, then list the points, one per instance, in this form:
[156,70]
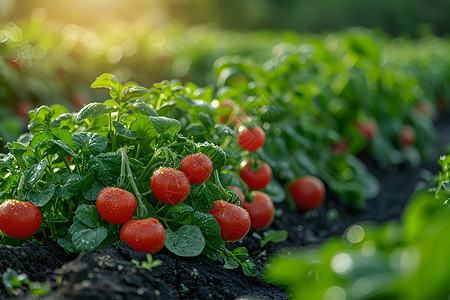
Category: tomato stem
[219,184]
[149,166]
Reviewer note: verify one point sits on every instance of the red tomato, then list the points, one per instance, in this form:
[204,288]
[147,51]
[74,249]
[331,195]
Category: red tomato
[308,192]
[260,210]
[146,235]
[368,129]
[19,219]
[227,103]
[197,167]
[116,205]
[169,186]
[407,136]
[340,147]
[256,179]
[238,191]
[251,139]
[234,221]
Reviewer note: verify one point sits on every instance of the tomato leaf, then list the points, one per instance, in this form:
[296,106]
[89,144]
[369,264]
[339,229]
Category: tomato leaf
[224,130]
[92,110]
[89,239]
[122,130]
[163,125]
[206,120]
[91,187]
[39,137]
[107,167]
[66,148]
[273,236]
[217,155]
[88,215]
[144,109]
[110,82]
[90,141]
[40,197]
[187,241]
[70,184]
[67,244]
[34,173]
[210,230]
[144,128]
[133,92]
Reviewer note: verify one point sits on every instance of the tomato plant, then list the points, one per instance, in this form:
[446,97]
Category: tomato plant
[239,192]
[169,185]
[261,210]
[19,219]
[116,205]
[256,175]
[146,235]
[234,221]
[308,192]
[197,167]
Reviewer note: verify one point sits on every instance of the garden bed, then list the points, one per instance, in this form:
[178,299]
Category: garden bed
[110,274]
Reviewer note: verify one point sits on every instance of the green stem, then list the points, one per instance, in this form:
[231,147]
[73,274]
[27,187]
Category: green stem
[149,166]
[122,177]
[66,162]
[219,184]
[158,103]
[20,188]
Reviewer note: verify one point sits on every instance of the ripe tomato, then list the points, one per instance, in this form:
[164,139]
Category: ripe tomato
[251,139]
[256,179]
[228,105]
[368,129]
[146,235]
[340,147]
[407,136]
[116,205]
[169,186]
[308,192]
[260,210]
[197,167]
[238,191]
[19,219]
[234,221]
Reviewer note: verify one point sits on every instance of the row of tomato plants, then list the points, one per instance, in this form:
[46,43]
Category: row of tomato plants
[148,166]
[394,260]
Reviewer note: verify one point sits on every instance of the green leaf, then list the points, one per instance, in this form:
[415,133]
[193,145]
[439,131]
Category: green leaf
[70,184]
[57,121]
[201,196]
[89,239]
[224,130]
[92,110]
[206,120]
[133,93]
[88,215]
[210,230]
[8,277]
[40,197]
[217,155]
[92,187]
[39,137]
[107,167]
[446,185]
[90,141]
[67,244]
[188,241]
[64,135]
[195,129]
[7,161]
[34,173]
[66,148]
[163,125]
[144,109]
[274,236]
[59,219]
[122,130]
[144,128]
[110,82]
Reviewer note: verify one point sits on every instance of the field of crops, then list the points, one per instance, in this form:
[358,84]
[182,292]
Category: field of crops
[143,162]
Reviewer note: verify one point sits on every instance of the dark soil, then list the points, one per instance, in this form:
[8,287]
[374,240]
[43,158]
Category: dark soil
[110,274]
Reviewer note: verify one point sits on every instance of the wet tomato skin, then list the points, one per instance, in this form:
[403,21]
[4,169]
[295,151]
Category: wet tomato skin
[169,186]
[19,219]
[146,235]
[197,167]
[116,205]
[234,221]
[256,179]
[261,210]
[308,192]
[251,139]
